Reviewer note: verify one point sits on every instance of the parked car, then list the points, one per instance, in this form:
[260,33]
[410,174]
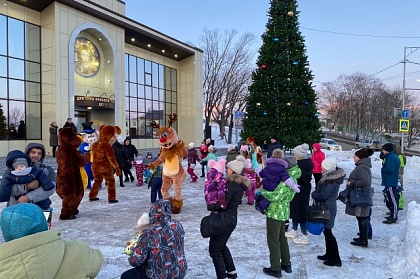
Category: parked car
[369,143]
[330,144]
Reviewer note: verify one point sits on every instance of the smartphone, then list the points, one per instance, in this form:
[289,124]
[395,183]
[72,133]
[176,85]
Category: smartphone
[48,217]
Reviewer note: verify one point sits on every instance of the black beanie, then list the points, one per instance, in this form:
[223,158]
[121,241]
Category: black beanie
[388,147]
[362,153]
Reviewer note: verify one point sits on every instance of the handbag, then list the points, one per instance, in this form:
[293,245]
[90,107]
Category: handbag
[344,196]
[315,228]
[216,223]
[360,197]
[318,213]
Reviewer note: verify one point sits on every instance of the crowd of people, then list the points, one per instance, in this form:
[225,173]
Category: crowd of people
[279,187]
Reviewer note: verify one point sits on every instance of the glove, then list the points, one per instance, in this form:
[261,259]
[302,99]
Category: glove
[295,188]
[87,148]
[289,182]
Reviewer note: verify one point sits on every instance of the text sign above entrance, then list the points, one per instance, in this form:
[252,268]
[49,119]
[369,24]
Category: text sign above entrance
[94,102]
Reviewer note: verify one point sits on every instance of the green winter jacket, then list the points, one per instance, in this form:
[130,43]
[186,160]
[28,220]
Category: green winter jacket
[45,255]
[210,156]
[280,198]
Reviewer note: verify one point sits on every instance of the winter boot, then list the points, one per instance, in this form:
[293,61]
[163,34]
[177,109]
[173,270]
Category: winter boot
[363,228]
[270,272]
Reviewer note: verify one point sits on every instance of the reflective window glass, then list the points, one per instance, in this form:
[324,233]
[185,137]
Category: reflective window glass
[3,120]
[16,115]
[16,68]
[173,80]
[174,97]
[168,95]
[127,90]
[33,91]
[132,68]
[3,66]
[148,80]
[133,90]
[16,89]
[148,67]
[16,38]
[33,71]
[32,42]
[161,95]
[161,77]
[3,34]
[140,91]
[141,105]
[155,75]
[3,88]
[167,78]
[140,70]
[148,92]
[126,67]
[149,106]
[133,104]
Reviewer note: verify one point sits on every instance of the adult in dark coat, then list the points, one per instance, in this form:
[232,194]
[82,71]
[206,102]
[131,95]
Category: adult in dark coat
[120,156]
[235,187]
[231,154]
[299,204]
[53,137]
[70,124]
[130,152]
[326,193]
[275,144]
[360,179]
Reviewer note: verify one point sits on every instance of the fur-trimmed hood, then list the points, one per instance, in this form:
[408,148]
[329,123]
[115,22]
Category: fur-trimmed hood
[240,179]
[336,175]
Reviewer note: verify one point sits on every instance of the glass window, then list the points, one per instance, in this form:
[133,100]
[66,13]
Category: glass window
[140,91]
[141,105]
[3,34]
[3,66]
[133,90]
[33,91]
[127,90]
[16,89]
[155,75]
[16,38]
[16,68]
[140,70]
[16,116]
[133,104]
[173,97]
[161,95]
[148,92]
[132,68]
[3,88]
[161,77]
[32,47]
[148,67]
[148,79]
[149,106]
[3,119]
[168,95]
[173,80]
[167,78]
[33,71]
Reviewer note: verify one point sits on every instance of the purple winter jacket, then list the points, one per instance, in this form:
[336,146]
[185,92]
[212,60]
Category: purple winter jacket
[274,172]
[215,189]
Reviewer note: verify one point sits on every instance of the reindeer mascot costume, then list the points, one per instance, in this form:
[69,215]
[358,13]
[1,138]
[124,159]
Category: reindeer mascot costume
[172,153]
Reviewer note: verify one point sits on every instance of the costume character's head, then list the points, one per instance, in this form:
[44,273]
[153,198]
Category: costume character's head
[89,135]
[168,137]
[109,134]
[67,136]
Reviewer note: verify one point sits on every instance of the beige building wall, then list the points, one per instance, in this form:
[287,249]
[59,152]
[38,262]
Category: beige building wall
[60,25]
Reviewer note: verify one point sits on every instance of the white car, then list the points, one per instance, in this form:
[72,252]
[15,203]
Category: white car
[330,144]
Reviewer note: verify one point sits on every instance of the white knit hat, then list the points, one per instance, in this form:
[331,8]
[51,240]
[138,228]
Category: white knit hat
[329,164]
[301,150]
[191,144]
[238,164]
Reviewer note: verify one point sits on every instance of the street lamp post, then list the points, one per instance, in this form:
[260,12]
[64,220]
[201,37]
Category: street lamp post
[403,97]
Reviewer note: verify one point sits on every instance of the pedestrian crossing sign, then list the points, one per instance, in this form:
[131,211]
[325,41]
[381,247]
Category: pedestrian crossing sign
[404,125]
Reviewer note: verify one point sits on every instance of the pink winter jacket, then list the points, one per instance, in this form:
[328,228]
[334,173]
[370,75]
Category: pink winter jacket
[317,157]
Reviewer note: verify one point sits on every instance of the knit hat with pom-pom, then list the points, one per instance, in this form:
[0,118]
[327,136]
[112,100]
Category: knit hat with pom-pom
[301,150]
[238,164]
[219,166]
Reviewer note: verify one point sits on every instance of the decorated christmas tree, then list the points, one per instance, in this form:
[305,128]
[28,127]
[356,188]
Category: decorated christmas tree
[282,101]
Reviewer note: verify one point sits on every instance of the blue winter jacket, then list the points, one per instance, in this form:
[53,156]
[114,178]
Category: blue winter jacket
[390,170]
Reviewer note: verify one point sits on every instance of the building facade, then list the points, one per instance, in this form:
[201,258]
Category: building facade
[86,60]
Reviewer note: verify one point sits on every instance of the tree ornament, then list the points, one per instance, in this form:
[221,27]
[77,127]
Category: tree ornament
[265,113]
[289,104]
[295,63]
[316,114]
[276,40]
[264,67]
[290,13]
[306,103]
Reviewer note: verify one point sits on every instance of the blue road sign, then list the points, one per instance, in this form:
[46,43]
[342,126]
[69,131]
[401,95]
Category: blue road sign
[405,114]
[404,125]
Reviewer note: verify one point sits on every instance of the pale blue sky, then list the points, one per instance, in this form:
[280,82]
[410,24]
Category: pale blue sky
[329,54]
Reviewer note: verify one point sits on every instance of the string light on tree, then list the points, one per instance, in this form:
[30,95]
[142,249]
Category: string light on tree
[264,66]
[290,14]
[276,40]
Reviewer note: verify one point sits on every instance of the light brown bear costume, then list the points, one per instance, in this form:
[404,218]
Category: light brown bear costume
[104,163]
[172,153]
[69,180]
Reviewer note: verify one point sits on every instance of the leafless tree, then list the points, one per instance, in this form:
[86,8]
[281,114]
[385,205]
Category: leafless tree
[16,114]
[227,72]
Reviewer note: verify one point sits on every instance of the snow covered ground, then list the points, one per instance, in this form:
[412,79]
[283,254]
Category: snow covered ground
[394,251]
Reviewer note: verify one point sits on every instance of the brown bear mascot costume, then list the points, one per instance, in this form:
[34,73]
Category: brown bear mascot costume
[172,153]
[69,180]
[104,163]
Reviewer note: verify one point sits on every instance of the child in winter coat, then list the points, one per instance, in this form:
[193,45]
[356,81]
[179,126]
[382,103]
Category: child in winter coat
[274,173]
[155,182]
[140,168]
[210,156]
[252,176]
[192,160]
[215,185]
[147,161]
[142,223]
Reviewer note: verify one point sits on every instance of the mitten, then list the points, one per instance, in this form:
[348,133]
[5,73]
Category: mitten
[289,182]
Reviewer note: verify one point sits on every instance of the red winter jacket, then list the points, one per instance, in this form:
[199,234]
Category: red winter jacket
[203,151]
[317,157]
